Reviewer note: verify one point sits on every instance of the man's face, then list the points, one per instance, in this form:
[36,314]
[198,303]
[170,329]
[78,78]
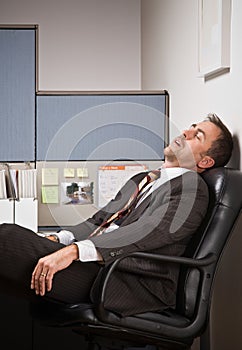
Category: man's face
[189,149]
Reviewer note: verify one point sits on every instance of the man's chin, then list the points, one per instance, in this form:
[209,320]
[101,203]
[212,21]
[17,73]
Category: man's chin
[171,157]
[169,152]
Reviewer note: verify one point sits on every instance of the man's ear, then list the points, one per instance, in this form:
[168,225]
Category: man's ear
[206,162]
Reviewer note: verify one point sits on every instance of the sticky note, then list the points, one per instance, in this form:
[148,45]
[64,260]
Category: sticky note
[69,172]
[50,194]
[50,176]
[82,172]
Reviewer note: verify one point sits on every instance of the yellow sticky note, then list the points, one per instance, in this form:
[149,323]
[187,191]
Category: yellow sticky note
[82,172]
[69,172]
[50,176]
[50,194]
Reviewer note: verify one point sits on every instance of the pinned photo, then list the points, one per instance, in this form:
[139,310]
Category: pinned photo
[77,192]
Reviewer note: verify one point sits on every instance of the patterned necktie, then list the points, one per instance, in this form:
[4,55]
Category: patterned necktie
[150,177]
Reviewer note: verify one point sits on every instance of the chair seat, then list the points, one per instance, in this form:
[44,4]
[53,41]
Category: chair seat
[170,317]
[82,319]
[61,315]
[52,314]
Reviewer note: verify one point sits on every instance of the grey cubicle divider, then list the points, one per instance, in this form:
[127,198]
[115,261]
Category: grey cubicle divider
[101,126]
[93,129]
[17,93]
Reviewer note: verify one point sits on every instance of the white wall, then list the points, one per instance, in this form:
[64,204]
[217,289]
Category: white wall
[170,61]
[83,44]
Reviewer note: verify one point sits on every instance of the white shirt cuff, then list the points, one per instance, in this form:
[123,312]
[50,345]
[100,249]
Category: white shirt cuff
[87,251]
[65,237]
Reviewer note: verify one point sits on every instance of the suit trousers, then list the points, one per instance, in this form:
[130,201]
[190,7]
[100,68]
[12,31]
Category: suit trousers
[20,249]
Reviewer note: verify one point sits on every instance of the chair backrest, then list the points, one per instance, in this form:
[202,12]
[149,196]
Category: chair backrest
[225,190]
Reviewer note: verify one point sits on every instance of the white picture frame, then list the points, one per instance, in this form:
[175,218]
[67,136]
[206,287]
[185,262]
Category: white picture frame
[214,37]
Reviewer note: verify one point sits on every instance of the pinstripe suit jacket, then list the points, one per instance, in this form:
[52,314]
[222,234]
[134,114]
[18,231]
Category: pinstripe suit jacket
[163,223]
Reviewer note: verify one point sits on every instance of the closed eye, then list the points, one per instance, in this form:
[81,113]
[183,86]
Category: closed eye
[200,135]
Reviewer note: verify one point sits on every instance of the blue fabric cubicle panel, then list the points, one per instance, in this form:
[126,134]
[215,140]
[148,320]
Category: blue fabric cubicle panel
[17,94]
[101,126]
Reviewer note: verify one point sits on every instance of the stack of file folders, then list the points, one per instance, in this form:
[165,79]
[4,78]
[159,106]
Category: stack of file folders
[17,183]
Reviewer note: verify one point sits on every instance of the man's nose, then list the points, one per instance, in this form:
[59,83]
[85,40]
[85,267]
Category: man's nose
[189,134]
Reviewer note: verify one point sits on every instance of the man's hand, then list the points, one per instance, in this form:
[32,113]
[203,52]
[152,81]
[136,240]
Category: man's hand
[47,266]
[53,238]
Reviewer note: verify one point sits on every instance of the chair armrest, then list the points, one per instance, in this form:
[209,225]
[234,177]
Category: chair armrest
[196,263]
[205,265]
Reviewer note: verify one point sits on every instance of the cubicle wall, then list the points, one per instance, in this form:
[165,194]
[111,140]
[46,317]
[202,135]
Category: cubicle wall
[17,93]
[18,118]
[89,144]
[84,145]
[101,126]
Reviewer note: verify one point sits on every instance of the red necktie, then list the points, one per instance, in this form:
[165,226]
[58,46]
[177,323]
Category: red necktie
[151,176]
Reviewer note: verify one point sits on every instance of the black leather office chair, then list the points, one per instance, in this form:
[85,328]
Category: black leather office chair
[170,329]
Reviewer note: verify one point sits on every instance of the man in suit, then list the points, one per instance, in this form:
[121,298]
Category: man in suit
[66,267]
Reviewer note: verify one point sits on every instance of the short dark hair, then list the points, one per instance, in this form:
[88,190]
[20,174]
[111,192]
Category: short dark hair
[221,149]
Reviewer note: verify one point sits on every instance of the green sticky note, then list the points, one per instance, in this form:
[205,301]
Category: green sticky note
[50,194]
